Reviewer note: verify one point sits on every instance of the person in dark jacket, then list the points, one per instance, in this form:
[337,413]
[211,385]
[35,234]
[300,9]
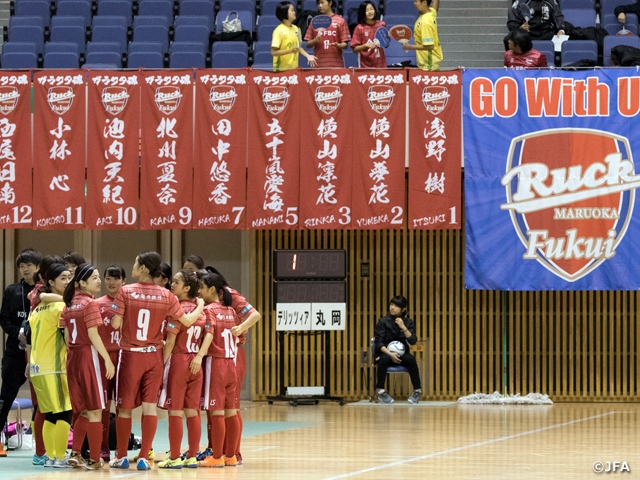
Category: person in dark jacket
[13,314]
[396,326]
[621,11]
[541,18]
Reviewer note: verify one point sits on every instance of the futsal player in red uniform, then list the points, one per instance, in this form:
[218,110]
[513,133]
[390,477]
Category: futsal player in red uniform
[249,316]
[220,372]
[139,309]
[114,278]
[81,320]
[182,381]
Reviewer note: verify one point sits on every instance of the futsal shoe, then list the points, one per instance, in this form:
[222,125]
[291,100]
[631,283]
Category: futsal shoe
[119,462]
[143,464]
[39,459]
[204,454]
[415,398]
[239,457]
[3,452]
[384,397]
[105,454]
[75,459]
[212,462]
[190,462]
[93,465]
[169,463]
[151,456]
[230,461]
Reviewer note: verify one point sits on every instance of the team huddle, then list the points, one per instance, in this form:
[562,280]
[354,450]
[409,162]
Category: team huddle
[168,342]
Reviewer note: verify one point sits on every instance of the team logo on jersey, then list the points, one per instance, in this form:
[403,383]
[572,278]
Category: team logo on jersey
[275,99]
[114,99]
[435,98]
[60,99]
[380,97]
[222,98]
[570,194]
[328,98]
[8,99]
[167,99]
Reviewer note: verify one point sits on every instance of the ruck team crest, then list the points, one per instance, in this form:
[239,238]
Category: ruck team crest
[571,194]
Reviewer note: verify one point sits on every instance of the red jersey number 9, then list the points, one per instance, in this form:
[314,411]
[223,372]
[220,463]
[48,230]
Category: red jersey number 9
[144,316]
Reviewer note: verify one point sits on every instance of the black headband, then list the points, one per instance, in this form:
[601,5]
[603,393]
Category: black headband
[56,270]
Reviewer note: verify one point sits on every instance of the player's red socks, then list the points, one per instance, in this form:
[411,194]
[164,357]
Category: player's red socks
[106,423]
[80,428]
[232,434]
[95,439]
[175,435]
[123,432]
[149,426]
[241,424]
[218,430]
[38,422]
[194,432]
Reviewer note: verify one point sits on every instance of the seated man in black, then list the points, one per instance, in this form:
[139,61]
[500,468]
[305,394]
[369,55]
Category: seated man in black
[541,18]
[396,326]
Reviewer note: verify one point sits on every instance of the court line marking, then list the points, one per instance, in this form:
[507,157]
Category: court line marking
[466,447]
[127,475]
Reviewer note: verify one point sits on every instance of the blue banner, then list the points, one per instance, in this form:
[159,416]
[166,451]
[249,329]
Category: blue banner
[550,179]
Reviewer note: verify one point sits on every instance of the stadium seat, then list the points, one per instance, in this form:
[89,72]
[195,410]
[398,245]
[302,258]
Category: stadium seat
[267,7]
[61,47]
[103,47]
[29,34]
[248,5]
[114,33]
[148,33]
[246,19]
[63,21]
[580,17]
[27,20]
[145,60]
[192,33]
[229,60]
[265,32]
[583,4]
[34,8]
[187,60]
[61,60]
[69,34]
[151,20]
[70,8]
[350,59]
[142,47]
[611,41]
[118,8]
[111,58]
[19,60]
[347,4]
[309,5]
[19,47]
[199,8]
[100,66]
[616,28]
[181,20]
[576,50]
[187,47]
[109,21]
[157,7]
[546,47]
[263,60]
[401,7]
[240,47]
[395,54]
[408,20]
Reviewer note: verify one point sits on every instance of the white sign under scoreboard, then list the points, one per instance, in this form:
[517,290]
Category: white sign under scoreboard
[310,316]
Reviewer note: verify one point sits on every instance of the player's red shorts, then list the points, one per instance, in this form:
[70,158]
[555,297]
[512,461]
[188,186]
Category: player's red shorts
[109,385]
[219,384]
[241,369]
[139,378]
[180,388]
[84,378]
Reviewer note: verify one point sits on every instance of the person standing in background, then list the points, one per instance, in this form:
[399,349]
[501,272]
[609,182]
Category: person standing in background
[328,43]
[13,317]
[425,31]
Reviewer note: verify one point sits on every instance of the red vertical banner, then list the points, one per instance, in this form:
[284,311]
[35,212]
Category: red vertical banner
[15,150]
[167,150]
[326,149]
[113,123]
[220,173]
[435,130]
[59,135]
[274,139]
[379,165]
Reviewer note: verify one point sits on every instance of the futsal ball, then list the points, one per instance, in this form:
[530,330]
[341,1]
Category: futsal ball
[396,347]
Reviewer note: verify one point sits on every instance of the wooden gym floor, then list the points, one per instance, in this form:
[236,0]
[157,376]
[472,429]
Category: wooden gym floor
[436,440]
